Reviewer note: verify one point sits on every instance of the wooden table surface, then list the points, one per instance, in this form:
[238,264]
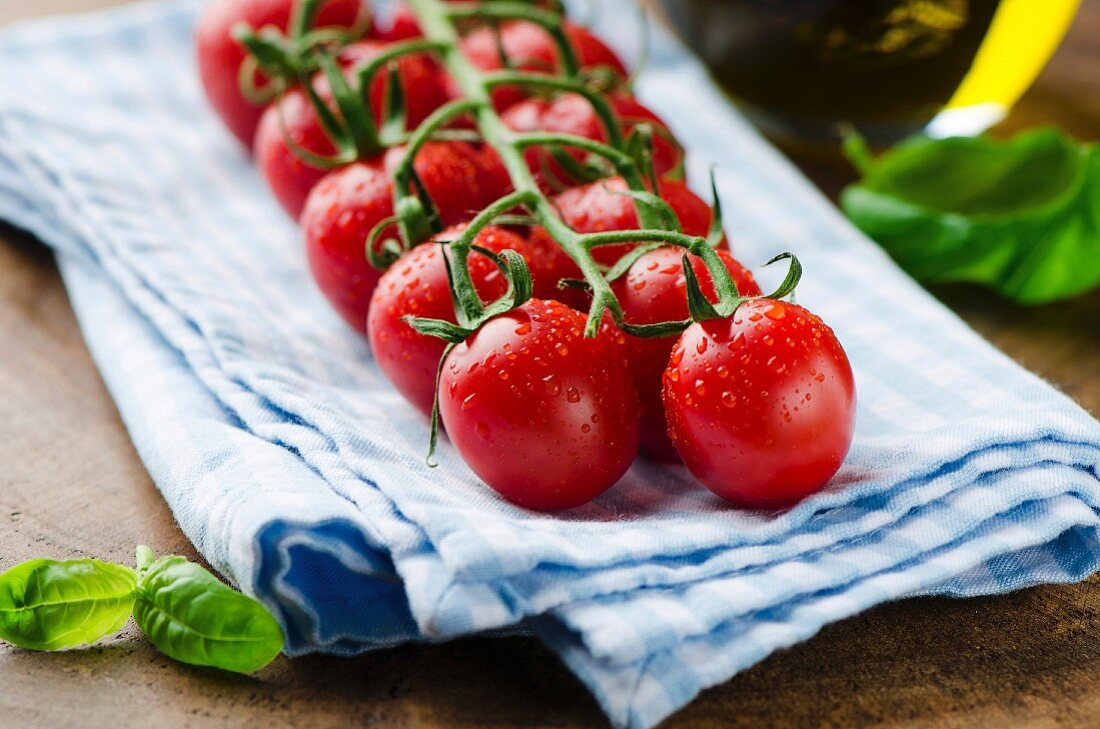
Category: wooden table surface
[71,485]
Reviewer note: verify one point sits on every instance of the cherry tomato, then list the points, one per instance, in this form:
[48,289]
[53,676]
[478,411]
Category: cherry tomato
[220,55]
[345,206]
[417,285]
[288,175]
[547,418]
[336,220]
[601,206]
[761,406]
[573,114]
[654,290]
[530,48]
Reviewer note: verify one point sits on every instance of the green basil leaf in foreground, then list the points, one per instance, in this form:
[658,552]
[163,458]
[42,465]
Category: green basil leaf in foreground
[193,617]
[50,604]
[1020,216]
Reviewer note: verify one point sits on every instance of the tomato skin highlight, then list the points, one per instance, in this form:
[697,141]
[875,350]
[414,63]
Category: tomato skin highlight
[761,407]
[417,285]
[219,55]
[654,290]
[288,175]
[402,25]
[547,418]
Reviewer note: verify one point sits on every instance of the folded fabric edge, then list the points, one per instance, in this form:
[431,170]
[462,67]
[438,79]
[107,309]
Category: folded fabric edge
[640,695]
[615,629]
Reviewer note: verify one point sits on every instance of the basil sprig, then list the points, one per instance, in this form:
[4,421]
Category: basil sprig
[184,610]
[1020,216]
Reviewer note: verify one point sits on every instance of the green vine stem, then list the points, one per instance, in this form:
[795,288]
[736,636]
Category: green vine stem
[287,57]
[437,23]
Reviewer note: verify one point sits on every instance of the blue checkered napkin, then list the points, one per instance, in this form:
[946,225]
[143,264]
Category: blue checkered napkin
[299,473]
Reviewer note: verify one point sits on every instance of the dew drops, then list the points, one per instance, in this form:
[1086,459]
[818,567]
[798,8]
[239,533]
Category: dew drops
[820,377]
[755,316]
[572,395]
[701,387]
[586,428]
[561,349]
[468,402]
[768,340]
[674,375]
[728,399]
[775,313]
[723,372]
[553,387]
[676,357]
[701,345]
[524,328]
[502,374]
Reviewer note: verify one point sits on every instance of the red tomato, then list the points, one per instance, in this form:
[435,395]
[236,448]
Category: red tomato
[289,176]
[654,290]
[417,285]
[461,178]
[573,114]
[220,56]
[336,220]
[346,205]
[402,25]
[547,418]
[530,48]
[601,206]
[761,406]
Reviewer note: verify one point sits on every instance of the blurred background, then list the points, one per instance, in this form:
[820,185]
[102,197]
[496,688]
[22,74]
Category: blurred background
[889,67]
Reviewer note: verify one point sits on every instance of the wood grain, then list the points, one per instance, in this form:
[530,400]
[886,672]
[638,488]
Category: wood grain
[71,484]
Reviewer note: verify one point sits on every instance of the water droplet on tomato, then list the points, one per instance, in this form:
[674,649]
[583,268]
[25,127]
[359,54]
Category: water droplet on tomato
[673,374]
[701,387]
[552,385]
[775,313]
[523,328]
[572,395]
[723,372]
[469,401]
[482,429]
[728,399]
[586,428]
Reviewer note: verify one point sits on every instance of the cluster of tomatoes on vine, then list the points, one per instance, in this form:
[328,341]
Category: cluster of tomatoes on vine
[759,405]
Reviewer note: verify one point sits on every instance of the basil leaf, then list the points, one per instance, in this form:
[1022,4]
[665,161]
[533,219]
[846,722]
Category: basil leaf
[193,617]
[49,604]
[1020,216]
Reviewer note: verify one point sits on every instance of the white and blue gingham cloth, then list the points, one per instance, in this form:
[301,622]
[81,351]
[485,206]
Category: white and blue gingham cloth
[300,474]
